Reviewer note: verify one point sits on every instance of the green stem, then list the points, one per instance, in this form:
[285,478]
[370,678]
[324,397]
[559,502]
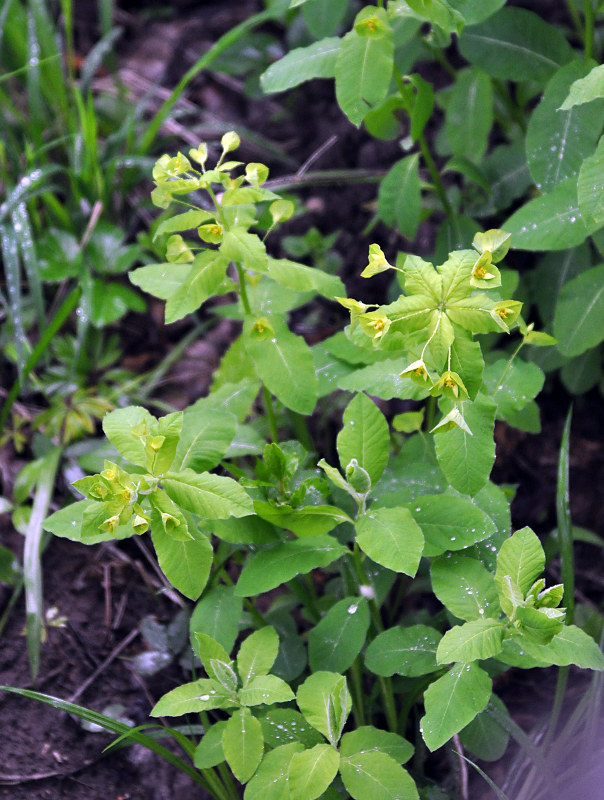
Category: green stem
[574,15]
[589,29]
[262,623]
[270,413]
[435,175]
[565,531]
[358,706]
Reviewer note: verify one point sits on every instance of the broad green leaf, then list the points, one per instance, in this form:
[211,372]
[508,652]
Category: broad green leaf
[474,12]
[204,439]
[484,736]
[465,587]
[440,13]
[108,302]
[303,521]
[557,142]
[312,771]
[323,17]
[280,725]
[67,523]
[383,379]
[206,273]
[586,89]
[515,43]
[450,523]
[363,72]
[367,739]
[522,559]
[243,744]
[209,752]
[301,278]
[507,173]
[407,651]
[167,516]
[318,60]
[257,654]
[186,563]
[329,369]
[284,362]
[338,638]
[236,396]
[583,372]
[512,385]
[538,625]
[467,362]
[210,496]
[244,248]
[208,650]
[183,222]
[201,695]
[270,568]
[118,425]
[465,459]
[469,114]
[399,198]
[392,538]
[579,318]
[591,189]
[452,702]
[364,437]
[375,775]
[245,530]
[265,690]
[271,779]
[160,280]
[552,221]
[325,702]
[217,614]
[553,271]
[570,646]
[472,641]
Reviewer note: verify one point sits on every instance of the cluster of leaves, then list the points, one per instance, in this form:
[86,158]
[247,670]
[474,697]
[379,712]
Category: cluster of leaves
[542,181]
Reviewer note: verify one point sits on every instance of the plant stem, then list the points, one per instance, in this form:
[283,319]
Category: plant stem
[589,29]
[358,706]
[270,413]
[574,15]
[435,175]
[565,531]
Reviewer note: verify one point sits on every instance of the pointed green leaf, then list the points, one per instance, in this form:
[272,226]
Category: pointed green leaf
[205,438]
[318,60]
[364,437]
[579,319]
[209,752]
[243,744]
[452,702]
[324,700]
[312,771]
[399,197]
[586,89]
[210,496]
[335,642]
[271,780]
[270,568]
[208,650]
[160,280]
[450,523]
[301,278]
[281,725]
[265,689]
[465,587]
[375,775]
[570,646]
[590,189]
[512,385]
[473,641]
[471,99]
[244,248]
[217,614]
[303,521]
[206,274]
[187,563]
[118,427]
[407,651]
[522,559]
[484,736]
[392,538]
[257,654]
[367,739]
[201,695]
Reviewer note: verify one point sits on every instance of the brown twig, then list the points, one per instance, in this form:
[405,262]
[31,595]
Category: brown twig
[111,657]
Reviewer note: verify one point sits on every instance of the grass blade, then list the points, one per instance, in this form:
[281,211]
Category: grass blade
[499,794]
[32,563]
[12,271]
[565,530]
[23,233]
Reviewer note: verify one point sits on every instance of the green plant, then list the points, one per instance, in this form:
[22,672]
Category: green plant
[425,518]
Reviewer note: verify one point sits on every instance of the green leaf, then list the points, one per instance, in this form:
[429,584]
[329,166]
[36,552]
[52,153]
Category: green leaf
[586,89]
[589,186]
[469,114]
[209,752]
[522,559]
[579,318]
[167,517]
[67,523]
[392,538]
[376,775]
[270,568]
[325,702]
[108,302]
[246,530]
[265,689]
[284,362]
[440,13]
[383,379]
[465,459]
[301,278]
[244,248]
[117,426]
[507,174]
[324,16]
[570,646]
[399,197]
[452,702]
[512,385]
[187,563]
[204,439]
[364,437]
[271,779]
[201,695]
[206,273]
[210,496]
[552,221]
[474,12]
[450,523]
[473,641]
[160,280]
[538,625]
[335,642]
[208,650]
[217,615]
[557,142]
[312,771]
[484,736]
[304,521]
[243,744]
[465,587]
[281,725]
[367,739]
[257,654]
[363,72]
[515,43]
[407,651]
[318,60]
[183,222]
[237,396]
